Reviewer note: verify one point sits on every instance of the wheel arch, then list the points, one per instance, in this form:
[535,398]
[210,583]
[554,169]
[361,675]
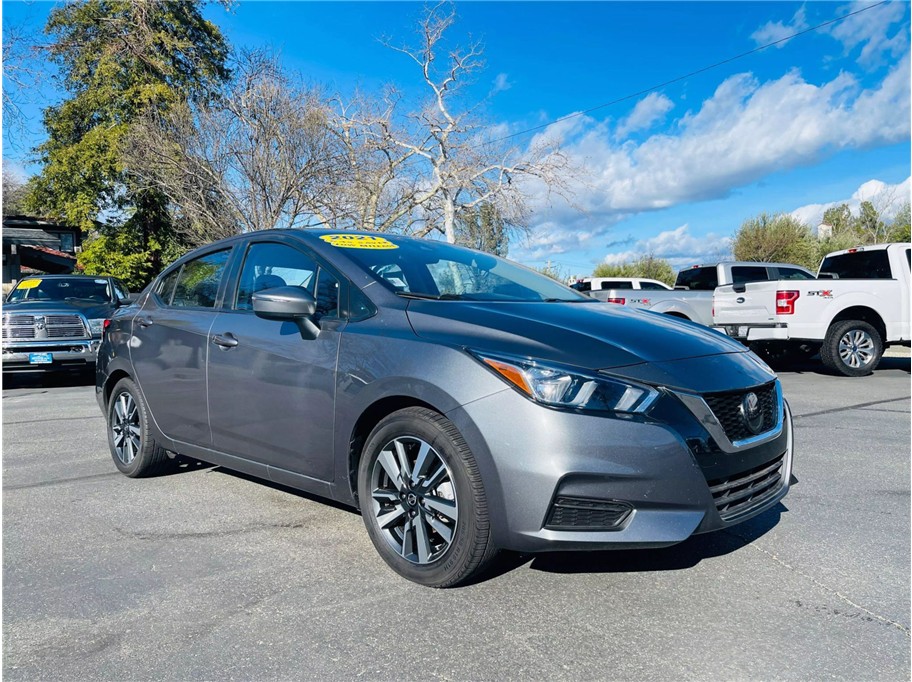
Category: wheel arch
[864,314]
[367,421]
[111,382]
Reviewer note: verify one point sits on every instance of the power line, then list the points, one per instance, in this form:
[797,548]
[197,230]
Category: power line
[687,75]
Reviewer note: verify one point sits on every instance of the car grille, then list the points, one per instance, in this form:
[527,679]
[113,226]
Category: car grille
[43,327]
[18,326]
[577,513]
[727,409]
[747,490]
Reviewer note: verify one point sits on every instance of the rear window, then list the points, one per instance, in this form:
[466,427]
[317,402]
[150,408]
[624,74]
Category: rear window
[859,265]
[698,279]
[616,284]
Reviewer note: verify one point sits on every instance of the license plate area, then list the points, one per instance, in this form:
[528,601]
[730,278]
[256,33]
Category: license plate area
[40,358]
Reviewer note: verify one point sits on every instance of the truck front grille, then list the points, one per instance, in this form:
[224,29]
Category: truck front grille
[727,409]
[18,327]
[746,490]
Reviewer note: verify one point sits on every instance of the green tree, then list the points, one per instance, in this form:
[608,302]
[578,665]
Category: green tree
[482,228]
[900,228]
[648,266]
[839,218]
[118,60]
[776,238]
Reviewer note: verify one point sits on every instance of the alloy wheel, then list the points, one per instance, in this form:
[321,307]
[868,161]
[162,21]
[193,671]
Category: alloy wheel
[414,499]
[856,348]
[125,427]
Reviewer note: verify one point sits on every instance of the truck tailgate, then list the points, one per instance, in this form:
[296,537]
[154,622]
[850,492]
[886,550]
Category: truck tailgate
[756,304]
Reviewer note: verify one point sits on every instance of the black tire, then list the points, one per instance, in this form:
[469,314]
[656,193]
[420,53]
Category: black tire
[447,561]
[844,360]
[137,456]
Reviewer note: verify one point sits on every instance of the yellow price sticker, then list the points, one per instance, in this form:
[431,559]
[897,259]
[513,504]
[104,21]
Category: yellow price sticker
[358,241]
[29,283]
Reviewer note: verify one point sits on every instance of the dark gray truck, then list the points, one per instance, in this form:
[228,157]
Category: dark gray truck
[55,322]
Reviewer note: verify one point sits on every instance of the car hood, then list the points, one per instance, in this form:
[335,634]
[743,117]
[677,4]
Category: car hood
[91,309]
[590,335]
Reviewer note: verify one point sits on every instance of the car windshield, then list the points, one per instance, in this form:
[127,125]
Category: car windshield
[426,269]
[61,289]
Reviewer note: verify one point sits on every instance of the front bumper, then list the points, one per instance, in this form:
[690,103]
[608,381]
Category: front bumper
[531,455]
[65,355]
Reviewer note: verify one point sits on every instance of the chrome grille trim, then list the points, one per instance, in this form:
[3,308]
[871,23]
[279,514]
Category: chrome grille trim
[701,410]
[31,327]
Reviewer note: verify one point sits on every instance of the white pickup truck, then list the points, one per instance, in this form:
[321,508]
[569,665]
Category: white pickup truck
[857,306]
[693,292]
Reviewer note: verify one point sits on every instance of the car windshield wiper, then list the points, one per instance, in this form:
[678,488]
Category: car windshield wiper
[431,297]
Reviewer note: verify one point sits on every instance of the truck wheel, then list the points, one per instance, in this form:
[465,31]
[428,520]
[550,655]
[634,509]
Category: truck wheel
[852,348]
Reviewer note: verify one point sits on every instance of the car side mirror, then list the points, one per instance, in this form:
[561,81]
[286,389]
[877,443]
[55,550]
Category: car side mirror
[127,300]
[288,304]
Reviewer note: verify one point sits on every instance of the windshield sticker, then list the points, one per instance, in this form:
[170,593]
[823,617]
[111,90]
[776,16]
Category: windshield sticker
[29,283]
[358,241]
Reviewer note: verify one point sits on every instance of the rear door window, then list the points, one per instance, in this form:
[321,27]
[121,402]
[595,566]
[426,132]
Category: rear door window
[793,273]
[652,286]
[741,274]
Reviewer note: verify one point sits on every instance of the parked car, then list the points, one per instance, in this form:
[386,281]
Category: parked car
[592,285]
[694,286]
[857,306]
[463,403]
[54,322]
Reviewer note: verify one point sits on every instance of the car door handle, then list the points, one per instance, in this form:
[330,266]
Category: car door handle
[225,341]
[144,321]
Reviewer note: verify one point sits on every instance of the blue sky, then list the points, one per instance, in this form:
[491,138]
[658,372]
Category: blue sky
[823,118]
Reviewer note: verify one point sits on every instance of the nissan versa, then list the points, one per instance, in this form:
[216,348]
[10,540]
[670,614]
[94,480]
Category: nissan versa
[464,403]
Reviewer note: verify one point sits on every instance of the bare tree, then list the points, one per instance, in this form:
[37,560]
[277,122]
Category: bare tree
[426,168]
[21,53]
[258,155]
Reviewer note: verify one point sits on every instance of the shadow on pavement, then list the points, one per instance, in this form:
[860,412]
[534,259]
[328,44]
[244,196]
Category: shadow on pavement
[48,380]
[675,558]
[816,367]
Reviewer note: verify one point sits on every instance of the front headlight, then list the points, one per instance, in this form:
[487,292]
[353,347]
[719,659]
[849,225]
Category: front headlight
[571,388]
[96,326]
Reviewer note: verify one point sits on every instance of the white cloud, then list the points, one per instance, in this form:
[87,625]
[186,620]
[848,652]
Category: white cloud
[746,130]
[887,199]
[647,112]
[677,246]
[776,30]
[501,83]
[871,30]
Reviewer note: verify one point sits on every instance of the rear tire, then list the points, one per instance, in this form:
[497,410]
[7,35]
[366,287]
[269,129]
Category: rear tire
[852,348]
[422,499]
[133,449]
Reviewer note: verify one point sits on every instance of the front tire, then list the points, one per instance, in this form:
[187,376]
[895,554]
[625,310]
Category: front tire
[852,348]
[422,499]
[134,450]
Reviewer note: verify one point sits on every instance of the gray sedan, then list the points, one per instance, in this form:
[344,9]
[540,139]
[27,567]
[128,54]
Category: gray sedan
[463,403]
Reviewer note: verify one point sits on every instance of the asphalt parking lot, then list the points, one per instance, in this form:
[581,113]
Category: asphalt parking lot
[205,574]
